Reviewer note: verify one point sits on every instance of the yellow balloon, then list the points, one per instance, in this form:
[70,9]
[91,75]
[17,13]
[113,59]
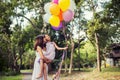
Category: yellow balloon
[54,21]
[64,4]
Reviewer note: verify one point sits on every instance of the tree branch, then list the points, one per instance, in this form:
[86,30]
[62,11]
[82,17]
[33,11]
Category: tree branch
[20,15]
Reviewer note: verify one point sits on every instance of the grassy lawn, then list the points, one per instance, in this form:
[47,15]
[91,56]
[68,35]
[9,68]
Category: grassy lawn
[17,77]
[24,71]
[106,74]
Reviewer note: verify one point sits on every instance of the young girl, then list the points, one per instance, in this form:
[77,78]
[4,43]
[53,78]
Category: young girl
[49,55]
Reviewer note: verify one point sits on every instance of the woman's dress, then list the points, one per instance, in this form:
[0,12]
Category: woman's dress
[36,69]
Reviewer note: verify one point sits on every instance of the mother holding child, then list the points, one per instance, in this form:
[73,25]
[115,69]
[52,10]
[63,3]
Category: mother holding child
[45,53]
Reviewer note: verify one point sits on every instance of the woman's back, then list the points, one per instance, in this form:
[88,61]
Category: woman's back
[37,55]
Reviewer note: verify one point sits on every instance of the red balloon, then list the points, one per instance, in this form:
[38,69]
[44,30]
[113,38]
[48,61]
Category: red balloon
[60,15]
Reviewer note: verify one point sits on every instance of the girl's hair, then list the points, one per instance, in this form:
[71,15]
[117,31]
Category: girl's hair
[39,42]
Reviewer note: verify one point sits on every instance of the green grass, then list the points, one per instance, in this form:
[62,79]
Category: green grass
[17,77]
[111,73]
[111,69]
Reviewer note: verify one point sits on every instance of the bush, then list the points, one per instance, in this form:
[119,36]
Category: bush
[9,73]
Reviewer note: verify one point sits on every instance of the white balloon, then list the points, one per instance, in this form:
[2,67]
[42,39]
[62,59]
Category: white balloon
[72,5]
[46,17]
[47,7]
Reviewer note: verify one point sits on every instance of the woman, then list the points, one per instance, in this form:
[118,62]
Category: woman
[39,48]
[40,62]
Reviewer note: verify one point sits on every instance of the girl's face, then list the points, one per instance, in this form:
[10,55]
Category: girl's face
[47,38]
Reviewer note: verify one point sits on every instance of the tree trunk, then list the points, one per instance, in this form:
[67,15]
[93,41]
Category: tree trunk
[20,62]
[98,52]
[79,55]
[66,64]
[66,67]
[71,58]
[104,60]
[16,67]
[21,51]
[104,63]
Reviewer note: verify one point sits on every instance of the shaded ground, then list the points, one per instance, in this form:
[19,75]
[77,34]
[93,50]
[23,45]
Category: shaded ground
[92,76]
[26,75]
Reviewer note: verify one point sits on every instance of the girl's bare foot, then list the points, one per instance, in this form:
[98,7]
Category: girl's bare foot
[54,76]
[39,76]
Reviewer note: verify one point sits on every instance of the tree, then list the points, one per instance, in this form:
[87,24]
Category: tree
[98,27]
[112,14]
[5,21]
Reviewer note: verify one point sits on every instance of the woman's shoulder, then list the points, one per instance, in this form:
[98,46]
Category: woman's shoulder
[38,47]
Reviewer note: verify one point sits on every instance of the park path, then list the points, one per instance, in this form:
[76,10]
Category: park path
[26,75]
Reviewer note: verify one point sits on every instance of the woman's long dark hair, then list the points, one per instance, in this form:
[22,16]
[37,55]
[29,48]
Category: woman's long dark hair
[39,41]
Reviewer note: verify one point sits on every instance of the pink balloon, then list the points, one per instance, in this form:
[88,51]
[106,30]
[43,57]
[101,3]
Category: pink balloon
[55,1]
[57,28]
[68,15]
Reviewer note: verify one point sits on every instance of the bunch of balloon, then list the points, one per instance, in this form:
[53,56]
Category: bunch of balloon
[58,11]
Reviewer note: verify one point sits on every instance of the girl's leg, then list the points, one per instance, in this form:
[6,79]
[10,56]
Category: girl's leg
[41,69]
[45,71]
[55,76]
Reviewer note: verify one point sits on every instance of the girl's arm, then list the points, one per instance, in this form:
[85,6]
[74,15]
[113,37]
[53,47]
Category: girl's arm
[59,48]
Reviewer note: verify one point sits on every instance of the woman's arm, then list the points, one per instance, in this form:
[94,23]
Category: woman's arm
[46,60]
[59,48]
[40,52]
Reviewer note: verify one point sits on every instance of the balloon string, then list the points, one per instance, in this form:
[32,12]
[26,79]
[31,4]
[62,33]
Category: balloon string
[65,38]
[64,31]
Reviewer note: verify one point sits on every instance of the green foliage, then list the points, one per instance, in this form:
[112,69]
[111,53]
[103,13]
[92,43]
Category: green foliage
[85,55]
[88,54]
[28,59]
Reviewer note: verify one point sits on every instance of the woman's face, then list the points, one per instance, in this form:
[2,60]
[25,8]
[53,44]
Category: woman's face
[40,40]
[44,40]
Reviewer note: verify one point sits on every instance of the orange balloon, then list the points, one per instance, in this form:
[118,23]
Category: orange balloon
[60,15]
[54,9]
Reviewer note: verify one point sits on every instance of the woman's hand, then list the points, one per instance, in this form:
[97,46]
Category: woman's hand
[46,60]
